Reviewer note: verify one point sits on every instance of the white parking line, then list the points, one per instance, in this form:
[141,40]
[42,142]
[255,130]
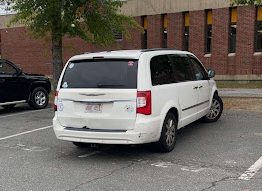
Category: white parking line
[251,172]
[26,132]
[21,113]
[162,164]
[90,154]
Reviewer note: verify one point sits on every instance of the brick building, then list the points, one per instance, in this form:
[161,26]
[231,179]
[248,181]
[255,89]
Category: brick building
[227,39]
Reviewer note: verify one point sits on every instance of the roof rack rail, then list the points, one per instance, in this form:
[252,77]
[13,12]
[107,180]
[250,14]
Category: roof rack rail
[156,49]
[97,51]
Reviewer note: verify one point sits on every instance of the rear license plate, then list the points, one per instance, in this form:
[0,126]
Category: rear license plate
[93,108]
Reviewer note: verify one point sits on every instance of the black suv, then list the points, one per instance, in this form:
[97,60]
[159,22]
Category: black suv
[18,87]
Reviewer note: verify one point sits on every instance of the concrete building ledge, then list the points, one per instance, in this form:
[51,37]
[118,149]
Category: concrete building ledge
[231,54]
[152,7]
[258,54]
[207,55]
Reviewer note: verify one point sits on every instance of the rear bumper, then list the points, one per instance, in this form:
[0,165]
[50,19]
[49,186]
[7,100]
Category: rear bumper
[144,132]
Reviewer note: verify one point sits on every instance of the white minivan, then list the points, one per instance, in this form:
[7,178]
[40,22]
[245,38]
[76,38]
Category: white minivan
[133,97]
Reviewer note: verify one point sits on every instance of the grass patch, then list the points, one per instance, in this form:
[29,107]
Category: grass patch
[248,85]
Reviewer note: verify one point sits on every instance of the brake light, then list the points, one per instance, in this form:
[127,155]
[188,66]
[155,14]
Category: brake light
[143,102]
[55,101]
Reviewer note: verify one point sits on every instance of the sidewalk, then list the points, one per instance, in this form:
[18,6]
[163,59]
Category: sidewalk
[252,93]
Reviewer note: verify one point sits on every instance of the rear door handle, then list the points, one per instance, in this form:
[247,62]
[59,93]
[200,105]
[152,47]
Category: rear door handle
[200,87]
[196,87]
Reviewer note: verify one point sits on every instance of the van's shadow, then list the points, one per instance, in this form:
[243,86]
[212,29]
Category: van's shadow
[145,151]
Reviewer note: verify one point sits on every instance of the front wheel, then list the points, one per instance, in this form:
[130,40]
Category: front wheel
[168,135]
[39,98]
[215,111]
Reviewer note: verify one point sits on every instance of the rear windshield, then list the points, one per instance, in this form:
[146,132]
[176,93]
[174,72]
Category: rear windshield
[116,74]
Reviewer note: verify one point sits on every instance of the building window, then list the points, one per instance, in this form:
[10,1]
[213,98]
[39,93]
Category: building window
[186,31]
[164,30]
[259,30]
[233,30]
[208,31]
[144,39]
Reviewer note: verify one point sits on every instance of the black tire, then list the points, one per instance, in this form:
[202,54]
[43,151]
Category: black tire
[167,139]
[81,145]
[215,111]
[39,98]
[8,107]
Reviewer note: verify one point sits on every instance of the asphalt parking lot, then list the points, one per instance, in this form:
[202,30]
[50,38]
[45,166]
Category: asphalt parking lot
[207,157]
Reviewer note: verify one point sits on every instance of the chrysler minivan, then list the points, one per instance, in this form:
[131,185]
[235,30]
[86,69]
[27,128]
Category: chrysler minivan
[133,97]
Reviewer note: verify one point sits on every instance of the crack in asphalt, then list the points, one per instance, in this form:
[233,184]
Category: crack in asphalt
[214,183]
[227,178]
[190,163]
[197,164]
[178,162]
[101,177]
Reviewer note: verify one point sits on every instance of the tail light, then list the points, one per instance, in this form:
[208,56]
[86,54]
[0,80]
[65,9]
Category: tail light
[143,102]
[55,101]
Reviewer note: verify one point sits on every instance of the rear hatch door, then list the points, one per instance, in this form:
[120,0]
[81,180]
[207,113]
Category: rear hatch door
[98,94]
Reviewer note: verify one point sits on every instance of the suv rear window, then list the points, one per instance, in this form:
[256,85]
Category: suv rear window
[113,74]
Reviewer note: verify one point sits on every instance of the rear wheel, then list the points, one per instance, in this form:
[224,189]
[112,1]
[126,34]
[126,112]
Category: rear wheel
[8,107]
[215,111]
[168,135]
[39,98]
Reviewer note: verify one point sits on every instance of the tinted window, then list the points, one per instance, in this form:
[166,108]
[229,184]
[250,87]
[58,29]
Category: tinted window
[186,38]
[208,38]
[116,74]
[233,30]
[6,68]
[233,38]
[209,21]
[259,36]
[199,71]
[182,68]
[161,70]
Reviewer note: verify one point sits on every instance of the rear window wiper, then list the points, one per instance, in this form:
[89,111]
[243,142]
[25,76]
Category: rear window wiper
[109,85]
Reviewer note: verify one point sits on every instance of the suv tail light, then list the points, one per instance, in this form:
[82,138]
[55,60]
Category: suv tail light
[55,101]
[143,102]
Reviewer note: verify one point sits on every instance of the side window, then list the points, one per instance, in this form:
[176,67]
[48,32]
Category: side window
[6,68]
[199,71]
[182,68]
[161,70]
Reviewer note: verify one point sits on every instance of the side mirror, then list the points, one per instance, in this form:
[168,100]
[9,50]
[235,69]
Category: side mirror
[19,71]
[211,73]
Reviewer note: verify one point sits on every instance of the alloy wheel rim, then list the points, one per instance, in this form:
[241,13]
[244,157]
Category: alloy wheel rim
[40,98]
[170,132]
[214,110]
